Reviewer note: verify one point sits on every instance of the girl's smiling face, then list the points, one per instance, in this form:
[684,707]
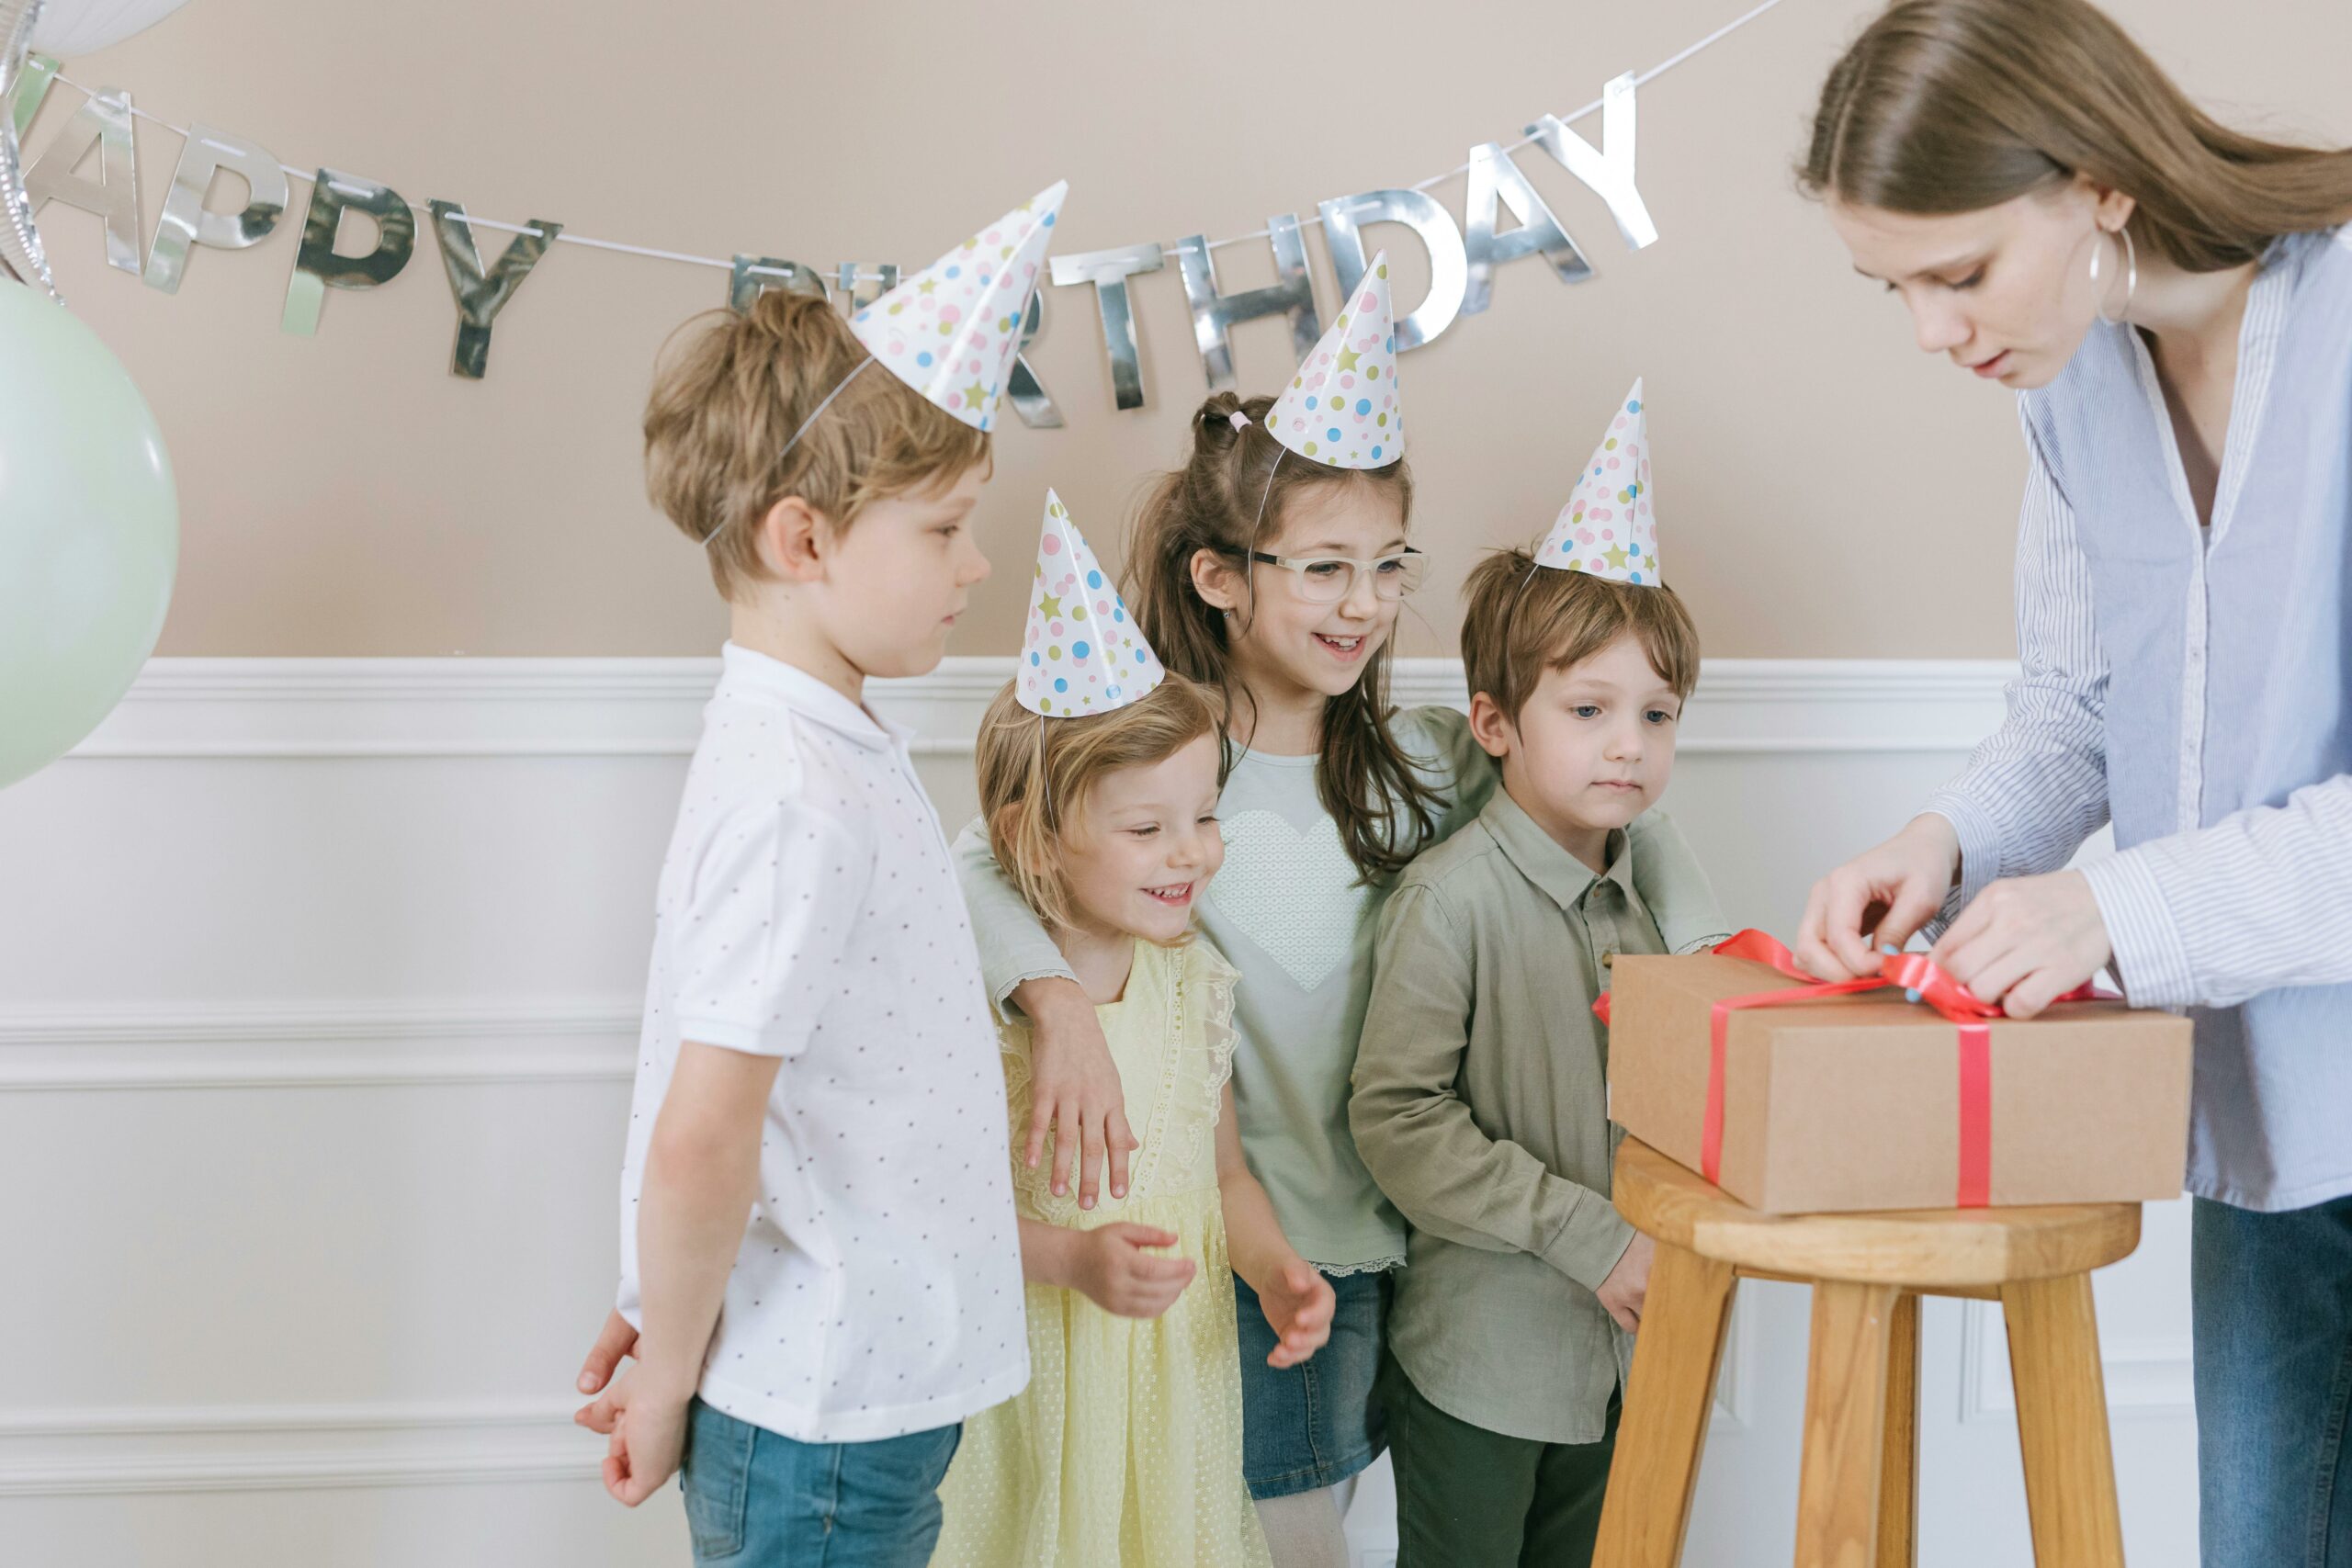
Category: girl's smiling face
[1283,641]
[1146,843]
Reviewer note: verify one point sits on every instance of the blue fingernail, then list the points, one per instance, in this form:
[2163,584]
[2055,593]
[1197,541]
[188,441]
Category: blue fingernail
[1910,993]
[1889,947]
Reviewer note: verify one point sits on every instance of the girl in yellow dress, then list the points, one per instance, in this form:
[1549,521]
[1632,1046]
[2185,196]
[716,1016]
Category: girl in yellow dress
[1125,1448]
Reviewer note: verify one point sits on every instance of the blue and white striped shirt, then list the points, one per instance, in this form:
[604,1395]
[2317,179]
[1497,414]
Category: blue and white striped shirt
[2194,686]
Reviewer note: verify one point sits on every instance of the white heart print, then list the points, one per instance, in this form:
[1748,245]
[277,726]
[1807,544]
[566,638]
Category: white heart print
[1296,895]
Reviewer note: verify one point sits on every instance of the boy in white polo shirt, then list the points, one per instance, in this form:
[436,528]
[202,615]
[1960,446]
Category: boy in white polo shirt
[819,1251]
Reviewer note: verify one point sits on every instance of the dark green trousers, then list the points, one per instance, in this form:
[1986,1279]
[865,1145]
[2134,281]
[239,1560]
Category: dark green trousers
[1470,1498]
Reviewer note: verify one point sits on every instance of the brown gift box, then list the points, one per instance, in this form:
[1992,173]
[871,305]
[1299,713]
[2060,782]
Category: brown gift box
[1854,1102]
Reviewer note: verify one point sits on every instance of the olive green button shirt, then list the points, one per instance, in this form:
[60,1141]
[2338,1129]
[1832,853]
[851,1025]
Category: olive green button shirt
[1481,1108]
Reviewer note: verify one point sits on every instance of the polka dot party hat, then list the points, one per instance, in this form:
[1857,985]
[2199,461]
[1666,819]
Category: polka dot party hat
[951,330]
[1341,409]
[1081,652]
[1606,527]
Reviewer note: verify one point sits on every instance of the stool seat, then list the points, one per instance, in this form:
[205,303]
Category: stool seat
[1936,1251]
[1858,1485]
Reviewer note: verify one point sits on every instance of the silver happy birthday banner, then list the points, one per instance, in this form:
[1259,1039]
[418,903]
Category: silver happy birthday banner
[1462,255]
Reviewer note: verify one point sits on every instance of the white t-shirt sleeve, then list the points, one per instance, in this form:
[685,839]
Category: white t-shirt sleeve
[775,893]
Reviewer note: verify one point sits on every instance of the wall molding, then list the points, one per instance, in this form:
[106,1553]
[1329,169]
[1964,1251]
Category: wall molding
[295,709]
[268,1448]
[2149,1379]
[353,1045]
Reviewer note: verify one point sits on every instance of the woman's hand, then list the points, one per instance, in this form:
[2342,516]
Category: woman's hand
[2027,942]
[1074,1089]
[1299,1305]
[1878,899]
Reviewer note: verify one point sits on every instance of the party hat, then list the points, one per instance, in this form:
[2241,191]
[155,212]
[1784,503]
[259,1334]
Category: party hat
[1340,410]
[1606,527]
[951,330]
[1081,652]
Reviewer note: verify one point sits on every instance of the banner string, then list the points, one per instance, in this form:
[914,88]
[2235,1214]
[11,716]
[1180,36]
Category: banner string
[568,237]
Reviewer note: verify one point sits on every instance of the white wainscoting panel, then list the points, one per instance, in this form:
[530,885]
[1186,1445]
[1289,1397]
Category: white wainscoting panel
[319,984]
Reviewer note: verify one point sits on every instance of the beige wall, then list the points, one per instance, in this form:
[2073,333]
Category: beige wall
[346,495]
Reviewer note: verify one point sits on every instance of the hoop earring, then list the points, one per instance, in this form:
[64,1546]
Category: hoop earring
[2130,277]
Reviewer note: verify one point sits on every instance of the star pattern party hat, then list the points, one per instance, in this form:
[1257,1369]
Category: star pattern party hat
[1606,527]
[951,330]
[1341,409]
[1081,652]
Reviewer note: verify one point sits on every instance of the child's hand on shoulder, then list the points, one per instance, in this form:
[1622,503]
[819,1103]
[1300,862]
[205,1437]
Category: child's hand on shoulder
[1114,1270]
[1628,1286]
[1298,1307]
[648,1439]
[1074,1091]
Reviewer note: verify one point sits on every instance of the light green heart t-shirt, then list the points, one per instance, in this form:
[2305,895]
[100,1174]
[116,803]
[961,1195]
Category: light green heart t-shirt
[1290,914]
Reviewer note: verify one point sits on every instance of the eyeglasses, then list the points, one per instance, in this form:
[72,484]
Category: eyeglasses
[1326,579]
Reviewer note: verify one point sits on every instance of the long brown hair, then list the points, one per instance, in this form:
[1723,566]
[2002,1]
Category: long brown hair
[1035,775]
[1365,779]
[1954,106]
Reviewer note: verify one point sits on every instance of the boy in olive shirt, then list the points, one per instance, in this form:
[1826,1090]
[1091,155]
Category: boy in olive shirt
[1481,1100]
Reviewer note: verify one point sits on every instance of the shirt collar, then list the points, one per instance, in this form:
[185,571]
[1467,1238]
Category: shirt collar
[1539,857]
[796,689]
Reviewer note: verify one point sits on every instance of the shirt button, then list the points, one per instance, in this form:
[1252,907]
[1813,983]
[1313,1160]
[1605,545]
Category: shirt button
[1609,961]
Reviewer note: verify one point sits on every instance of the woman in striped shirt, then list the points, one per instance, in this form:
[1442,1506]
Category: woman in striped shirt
[2172,302]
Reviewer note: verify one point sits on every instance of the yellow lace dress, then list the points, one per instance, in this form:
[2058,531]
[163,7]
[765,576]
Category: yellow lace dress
[1125,1448]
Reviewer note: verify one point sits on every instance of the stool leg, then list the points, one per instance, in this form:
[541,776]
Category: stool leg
[2062,1423]
[1845,1425]
[1898,1484]
[1668,1401]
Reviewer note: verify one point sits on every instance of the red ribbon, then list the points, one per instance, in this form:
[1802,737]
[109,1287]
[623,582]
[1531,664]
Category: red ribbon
[1910,971]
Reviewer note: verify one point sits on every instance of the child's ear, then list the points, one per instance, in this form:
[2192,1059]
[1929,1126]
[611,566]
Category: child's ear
[1490,728]
[794,539]
[1214,580]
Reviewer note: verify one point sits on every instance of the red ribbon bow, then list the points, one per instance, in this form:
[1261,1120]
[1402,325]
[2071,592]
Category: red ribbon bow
[1910,971]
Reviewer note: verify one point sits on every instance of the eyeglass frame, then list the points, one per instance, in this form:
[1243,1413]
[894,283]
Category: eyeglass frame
[1297,565]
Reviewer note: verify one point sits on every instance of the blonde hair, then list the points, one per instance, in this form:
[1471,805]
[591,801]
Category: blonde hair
[726,403]
[1231,496]
[1035,775]
[1520,619]
[1954,106]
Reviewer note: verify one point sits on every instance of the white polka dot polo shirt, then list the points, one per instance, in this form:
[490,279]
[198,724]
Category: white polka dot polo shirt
[808,910]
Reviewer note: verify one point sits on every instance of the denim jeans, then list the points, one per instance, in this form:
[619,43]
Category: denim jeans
[1315,1425]
[758,1500]
[2273,1306]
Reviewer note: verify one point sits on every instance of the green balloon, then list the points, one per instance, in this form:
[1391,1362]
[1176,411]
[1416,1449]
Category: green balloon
[89,531]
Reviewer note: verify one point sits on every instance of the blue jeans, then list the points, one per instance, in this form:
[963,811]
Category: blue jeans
[2273,1305]
[1312,1426]
[758,1500]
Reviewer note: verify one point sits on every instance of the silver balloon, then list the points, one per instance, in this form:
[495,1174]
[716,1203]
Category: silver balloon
[1021,388]
[1343,218]
[1494,177]
[1609,168]
[187,221]
[103,123]
[862,283]
[20,250]
[317,266]
[754,276]
[480,295]
[1109,271]
[1215,315]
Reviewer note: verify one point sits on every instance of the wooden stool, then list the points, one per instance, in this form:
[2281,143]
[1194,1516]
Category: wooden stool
[1857,1501]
